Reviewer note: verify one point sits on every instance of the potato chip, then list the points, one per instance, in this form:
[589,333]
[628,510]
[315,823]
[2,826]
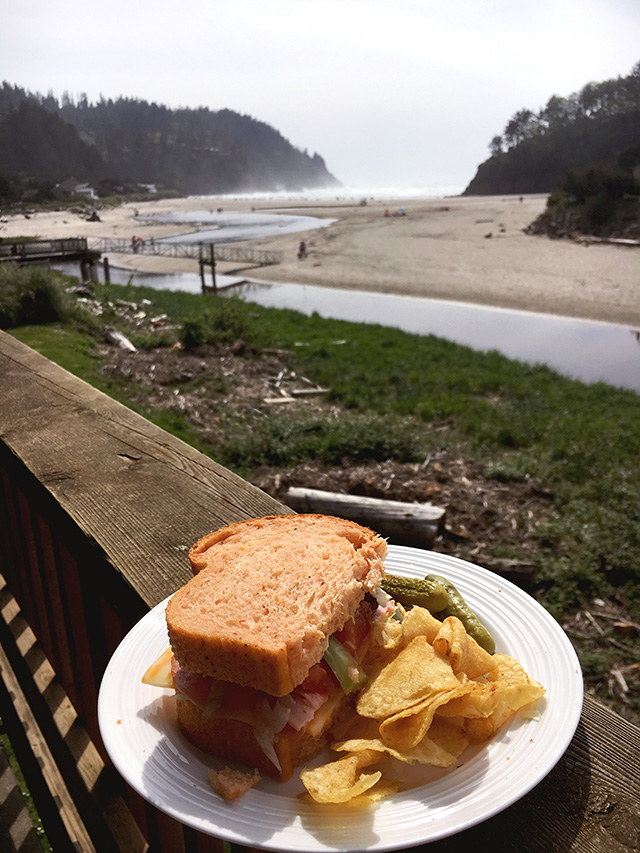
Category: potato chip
[479,729]
[419,622]
[480,701]
[432,691]
[464,654]
[362,744]
[416,673]
[443,745]
[363,728]
[383,788]
[515,688]
[404,730]
[341,780]
[445,742]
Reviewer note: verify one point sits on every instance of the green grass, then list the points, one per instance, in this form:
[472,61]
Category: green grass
[406,394]
[403,396]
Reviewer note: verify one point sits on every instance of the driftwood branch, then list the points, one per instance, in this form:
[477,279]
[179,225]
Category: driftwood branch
[403,522]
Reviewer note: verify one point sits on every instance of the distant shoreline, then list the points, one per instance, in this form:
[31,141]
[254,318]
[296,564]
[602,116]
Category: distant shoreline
[462,248]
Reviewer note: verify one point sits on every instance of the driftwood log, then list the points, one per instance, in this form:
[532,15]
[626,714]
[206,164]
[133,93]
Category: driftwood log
[402,522]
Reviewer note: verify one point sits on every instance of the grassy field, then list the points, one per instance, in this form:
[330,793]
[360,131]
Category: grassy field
[403,396]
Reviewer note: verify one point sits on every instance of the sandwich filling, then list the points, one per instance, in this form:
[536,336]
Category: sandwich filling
[308,708]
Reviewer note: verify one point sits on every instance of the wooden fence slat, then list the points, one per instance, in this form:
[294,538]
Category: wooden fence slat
[60,656]
[77,834]
[15,562]
[55,729]
[80,643]
[41,615]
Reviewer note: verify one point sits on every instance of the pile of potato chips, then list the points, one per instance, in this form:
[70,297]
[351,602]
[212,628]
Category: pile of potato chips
[432,691]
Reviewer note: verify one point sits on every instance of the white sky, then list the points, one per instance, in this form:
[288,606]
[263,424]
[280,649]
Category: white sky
[392,93]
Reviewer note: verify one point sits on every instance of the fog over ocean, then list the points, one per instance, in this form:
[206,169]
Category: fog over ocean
[348,193]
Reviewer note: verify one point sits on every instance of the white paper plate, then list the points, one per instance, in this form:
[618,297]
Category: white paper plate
[147,748]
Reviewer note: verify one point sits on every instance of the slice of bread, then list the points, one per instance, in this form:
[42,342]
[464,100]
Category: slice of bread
[267,594]
[235,741]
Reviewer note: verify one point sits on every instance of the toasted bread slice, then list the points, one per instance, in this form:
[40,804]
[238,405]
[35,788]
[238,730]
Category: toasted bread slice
[268,593]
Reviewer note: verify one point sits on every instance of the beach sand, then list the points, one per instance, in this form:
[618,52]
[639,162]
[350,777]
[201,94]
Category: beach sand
[463,249]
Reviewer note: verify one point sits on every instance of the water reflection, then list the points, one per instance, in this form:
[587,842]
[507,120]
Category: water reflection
[583,349]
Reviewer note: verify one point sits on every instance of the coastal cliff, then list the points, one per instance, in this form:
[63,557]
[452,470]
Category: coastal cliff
[118,145]
[600,125]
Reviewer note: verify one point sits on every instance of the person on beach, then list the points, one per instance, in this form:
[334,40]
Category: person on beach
[302,250]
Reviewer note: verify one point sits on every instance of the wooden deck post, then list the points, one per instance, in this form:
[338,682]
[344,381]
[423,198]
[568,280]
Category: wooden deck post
[212,250]
[203,283]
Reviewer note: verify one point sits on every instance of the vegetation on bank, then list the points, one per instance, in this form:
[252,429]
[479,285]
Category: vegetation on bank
[404,396]
[597,126]
[23,194]
[602,201]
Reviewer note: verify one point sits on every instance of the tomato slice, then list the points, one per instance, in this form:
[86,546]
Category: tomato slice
[355,636]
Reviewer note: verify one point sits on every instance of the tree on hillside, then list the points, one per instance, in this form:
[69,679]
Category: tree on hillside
[592,126]
[127,140]
[495,146]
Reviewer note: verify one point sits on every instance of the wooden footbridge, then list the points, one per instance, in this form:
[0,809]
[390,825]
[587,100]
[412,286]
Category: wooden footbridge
[45,251]
[89,252]
[176,249]
[207,254]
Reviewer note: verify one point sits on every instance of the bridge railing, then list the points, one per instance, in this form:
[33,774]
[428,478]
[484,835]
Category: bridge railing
[33,248]
[177,249]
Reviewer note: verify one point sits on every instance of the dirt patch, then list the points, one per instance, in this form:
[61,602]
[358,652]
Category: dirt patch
[479,511]
[210,382]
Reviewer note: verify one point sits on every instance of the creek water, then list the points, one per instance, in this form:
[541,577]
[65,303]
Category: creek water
[587,350]
[216,226]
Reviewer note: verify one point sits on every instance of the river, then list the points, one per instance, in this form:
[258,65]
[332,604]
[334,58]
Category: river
[587,350]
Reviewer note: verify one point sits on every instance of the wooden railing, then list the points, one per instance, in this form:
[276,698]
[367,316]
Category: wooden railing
[96,508]
[35,250]
[176,249]
[96,505]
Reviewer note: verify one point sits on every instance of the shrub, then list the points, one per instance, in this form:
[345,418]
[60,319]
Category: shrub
[287,441]
[32,295]
[608,182]
[224,320]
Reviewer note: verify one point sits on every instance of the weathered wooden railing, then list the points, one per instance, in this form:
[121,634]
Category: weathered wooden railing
[96,508]
[96,505]
[177,249]
[68,248]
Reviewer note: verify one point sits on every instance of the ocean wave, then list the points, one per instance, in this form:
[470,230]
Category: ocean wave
[338,194]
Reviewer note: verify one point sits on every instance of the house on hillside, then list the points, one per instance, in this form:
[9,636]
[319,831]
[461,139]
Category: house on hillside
[72,187]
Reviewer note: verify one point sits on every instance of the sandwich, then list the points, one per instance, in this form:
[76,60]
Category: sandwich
[268,637]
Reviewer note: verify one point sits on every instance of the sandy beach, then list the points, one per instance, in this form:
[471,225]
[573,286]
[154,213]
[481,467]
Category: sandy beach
[465,249]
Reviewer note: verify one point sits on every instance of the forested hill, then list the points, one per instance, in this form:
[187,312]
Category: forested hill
[600,125]
[130,141]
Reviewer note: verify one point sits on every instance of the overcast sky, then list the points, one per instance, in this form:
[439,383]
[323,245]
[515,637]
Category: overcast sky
[392,93]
